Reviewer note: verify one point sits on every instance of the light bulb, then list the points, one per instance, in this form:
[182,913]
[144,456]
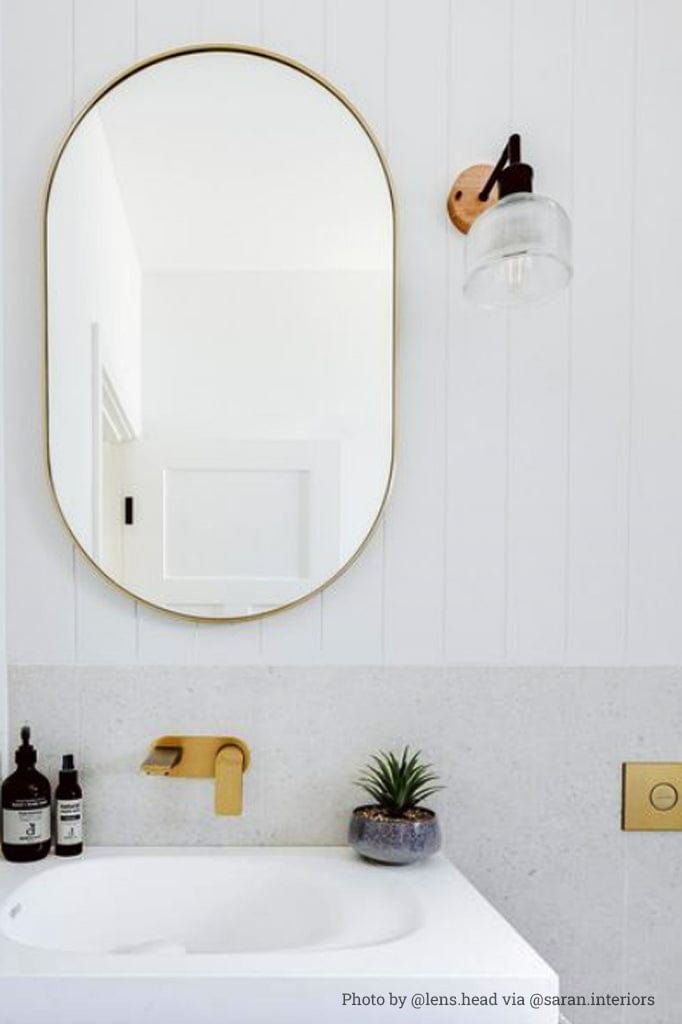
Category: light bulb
[517,269]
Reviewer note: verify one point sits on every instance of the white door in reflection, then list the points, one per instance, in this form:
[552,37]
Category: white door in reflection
[236,520]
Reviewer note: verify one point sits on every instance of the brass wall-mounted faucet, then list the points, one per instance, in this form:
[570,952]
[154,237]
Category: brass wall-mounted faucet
[223,758]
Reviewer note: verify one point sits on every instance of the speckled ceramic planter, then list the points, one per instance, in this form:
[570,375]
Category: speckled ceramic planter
[394,841]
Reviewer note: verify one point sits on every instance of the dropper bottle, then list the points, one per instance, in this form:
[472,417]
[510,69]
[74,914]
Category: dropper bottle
[26,825]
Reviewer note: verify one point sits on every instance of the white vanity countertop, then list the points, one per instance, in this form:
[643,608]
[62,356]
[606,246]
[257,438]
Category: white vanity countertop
[437,925]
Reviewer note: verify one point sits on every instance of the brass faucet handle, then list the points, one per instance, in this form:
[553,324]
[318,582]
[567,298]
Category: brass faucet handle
[160,760]
[229,775]
[221,758]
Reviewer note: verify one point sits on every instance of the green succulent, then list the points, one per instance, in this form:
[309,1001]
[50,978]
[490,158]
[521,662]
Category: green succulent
[398,783]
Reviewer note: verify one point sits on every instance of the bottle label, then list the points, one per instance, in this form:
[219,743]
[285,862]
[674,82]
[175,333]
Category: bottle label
[26,823]
[69,822]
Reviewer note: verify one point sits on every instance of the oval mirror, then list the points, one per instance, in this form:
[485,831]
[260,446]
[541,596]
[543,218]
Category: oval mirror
[219,234]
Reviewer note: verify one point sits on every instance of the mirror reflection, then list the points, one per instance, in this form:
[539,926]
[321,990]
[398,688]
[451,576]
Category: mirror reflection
[219,252]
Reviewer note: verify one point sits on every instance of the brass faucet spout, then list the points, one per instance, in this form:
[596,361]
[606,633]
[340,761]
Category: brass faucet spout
[221,758]
[160,760]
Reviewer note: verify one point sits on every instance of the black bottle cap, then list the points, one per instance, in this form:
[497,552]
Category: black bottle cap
[68,771]
[25,755]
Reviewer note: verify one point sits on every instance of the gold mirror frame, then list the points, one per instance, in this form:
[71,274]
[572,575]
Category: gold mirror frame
[325,84]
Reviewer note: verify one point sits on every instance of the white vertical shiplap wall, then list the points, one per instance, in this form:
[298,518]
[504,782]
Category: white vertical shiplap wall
[538,338]
[654,593]
[597,500]
[37,88]
[537,509]
[475,356]
[4,739]
[417,95]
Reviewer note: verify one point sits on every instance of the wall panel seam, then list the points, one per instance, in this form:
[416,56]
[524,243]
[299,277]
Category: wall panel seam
[627,583]
[569,368]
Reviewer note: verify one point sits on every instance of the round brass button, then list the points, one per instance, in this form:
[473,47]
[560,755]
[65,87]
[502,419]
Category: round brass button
[664,797]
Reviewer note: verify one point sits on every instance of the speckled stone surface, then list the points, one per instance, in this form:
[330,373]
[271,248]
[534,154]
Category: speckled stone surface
[531,758]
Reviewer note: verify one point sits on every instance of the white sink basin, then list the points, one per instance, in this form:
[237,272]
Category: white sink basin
[179,904]
[293,935]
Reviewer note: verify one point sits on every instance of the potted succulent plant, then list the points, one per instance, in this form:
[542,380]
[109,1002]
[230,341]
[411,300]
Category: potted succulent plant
[396,828]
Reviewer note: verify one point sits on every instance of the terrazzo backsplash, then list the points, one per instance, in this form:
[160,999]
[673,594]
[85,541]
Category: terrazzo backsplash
[531,759]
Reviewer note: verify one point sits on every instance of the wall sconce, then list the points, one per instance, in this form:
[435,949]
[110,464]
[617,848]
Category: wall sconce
[518,245]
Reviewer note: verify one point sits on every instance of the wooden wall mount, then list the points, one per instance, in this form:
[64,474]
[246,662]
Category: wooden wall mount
[464,206]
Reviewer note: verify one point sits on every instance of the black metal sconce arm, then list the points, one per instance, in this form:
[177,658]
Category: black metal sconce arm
[510,173]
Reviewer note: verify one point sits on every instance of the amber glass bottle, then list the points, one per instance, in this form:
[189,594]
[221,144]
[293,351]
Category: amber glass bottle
[26,825]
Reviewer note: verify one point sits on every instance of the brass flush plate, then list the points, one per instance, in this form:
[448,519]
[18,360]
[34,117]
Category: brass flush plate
[652,796]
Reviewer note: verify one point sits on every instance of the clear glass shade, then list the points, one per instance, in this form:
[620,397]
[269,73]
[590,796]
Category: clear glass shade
[518,252]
